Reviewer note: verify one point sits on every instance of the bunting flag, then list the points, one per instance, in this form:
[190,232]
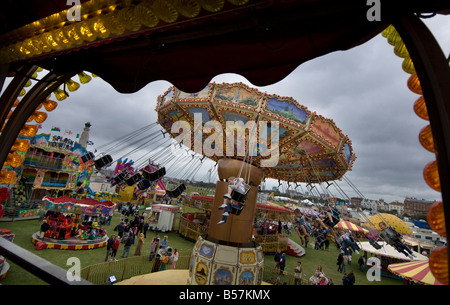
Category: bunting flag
[69,132]
[55,129]
[89,143]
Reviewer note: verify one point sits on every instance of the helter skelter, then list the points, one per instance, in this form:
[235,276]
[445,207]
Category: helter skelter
[251,135]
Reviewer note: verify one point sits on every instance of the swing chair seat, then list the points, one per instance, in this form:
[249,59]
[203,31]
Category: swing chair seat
[120,178]
[153,176]
[177,191]
[87,157]
[374,244]
[103,161]
[240,196]
[134,179]
[236,208]
[143,184]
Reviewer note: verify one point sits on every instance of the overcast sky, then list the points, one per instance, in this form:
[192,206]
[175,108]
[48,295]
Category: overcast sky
[363,90]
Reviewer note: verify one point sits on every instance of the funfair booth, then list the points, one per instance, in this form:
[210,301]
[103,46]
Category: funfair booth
[163,216]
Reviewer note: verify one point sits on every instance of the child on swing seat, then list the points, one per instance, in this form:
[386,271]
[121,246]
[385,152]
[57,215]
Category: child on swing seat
[236,184]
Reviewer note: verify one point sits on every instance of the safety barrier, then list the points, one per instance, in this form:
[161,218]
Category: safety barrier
[126,268]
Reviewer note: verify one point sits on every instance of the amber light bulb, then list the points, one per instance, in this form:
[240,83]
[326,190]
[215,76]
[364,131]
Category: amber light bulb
[426,138]
[39,117]
[21,145]
[436,218]
[7,177]
[49,105]
[28,130]
[439,264]
[14,159]
[414,84]
[431,176]
[420,108]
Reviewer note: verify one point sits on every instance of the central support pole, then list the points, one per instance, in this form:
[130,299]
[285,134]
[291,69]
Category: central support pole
[227,255]
[238,228]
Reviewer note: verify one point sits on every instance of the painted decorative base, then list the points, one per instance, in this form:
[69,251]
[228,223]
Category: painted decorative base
[70,243]
[4,270]
[216,264]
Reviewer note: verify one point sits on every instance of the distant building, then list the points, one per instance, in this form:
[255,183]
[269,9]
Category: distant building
[356,202]
[414,206]
[397,207]
[374,205]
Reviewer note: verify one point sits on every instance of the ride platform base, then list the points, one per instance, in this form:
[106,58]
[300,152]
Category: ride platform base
[71,243]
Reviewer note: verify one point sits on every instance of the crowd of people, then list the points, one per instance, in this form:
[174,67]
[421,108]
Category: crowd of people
[318,278]
[133,228]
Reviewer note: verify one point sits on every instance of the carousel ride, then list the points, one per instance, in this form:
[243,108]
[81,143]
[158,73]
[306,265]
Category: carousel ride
[252,136]
[72,224]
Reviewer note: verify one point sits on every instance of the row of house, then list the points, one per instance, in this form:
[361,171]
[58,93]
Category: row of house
[410,206]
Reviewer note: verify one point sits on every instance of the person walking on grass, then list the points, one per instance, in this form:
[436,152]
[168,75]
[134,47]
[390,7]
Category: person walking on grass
[115,248]
[139,245]
[109,246]
[174,258]
[127,246]
[298,274]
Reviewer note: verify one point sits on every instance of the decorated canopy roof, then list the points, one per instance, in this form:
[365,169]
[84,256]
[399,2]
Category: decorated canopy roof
[131,43]
[310,147]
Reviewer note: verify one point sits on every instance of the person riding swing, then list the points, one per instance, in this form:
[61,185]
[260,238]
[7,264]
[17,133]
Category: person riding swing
[234,199]
[393,238]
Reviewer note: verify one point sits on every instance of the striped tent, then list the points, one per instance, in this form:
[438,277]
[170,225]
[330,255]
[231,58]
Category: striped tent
[347,225]
[310,212]
[418,271]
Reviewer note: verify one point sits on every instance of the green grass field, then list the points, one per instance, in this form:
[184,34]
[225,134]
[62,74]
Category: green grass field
[25,228]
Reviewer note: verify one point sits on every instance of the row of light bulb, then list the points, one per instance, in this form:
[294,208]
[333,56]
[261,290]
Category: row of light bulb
[438,261]
[16,156]
[99,19]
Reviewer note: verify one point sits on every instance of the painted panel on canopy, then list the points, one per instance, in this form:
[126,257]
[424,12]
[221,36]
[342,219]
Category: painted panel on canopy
[201,112]
[287,166]
[236,131]
[307,146]
[326,130]
[347,152]
[287,109]
[237,94]
[167,97]
[203,94]
[326,163]
[264,132]
[171,117]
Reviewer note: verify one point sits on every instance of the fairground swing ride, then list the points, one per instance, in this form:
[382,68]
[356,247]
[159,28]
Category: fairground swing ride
[270,137]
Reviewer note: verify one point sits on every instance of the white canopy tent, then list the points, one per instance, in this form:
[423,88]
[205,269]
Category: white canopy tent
[389,251]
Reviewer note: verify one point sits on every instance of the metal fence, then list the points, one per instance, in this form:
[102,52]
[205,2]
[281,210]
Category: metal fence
[126,268]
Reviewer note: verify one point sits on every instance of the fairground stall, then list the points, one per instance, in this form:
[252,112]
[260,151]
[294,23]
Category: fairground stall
[49,165]
[73,223]
[162,217]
